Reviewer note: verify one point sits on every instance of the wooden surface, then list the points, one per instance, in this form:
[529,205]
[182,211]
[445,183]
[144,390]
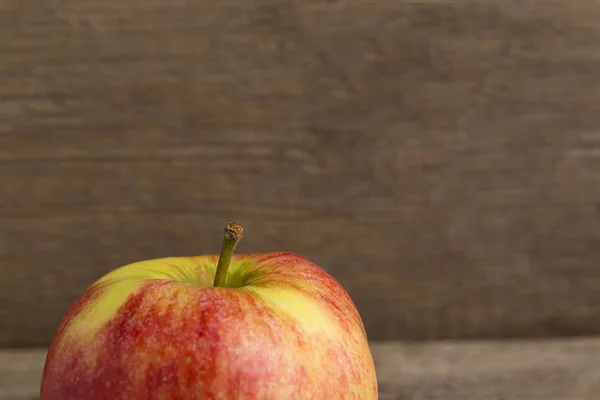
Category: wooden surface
[519,370]
[441,159]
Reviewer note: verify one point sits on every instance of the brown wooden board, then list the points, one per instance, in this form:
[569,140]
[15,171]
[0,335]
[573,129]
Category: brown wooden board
[440,159]
[512,370]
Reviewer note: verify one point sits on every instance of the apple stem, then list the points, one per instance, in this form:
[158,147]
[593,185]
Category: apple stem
[233,234]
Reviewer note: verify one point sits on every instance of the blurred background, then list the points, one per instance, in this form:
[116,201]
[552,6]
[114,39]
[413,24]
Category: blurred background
[441,159]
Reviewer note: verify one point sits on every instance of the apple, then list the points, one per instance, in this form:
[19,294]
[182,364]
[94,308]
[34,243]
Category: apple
[244,326]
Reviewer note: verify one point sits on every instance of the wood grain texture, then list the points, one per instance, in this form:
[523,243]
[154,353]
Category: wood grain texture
[440,159]
[512,370]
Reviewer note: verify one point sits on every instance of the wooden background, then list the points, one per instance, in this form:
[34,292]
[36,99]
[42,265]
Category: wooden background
[440,159]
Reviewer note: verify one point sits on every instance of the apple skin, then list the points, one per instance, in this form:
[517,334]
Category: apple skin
[281,328]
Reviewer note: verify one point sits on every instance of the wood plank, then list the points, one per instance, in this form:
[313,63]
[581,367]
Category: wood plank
[512,370]
[441,159]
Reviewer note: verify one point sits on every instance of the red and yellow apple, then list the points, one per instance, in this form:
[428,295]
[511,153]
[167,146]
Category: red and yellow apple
[265,326]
